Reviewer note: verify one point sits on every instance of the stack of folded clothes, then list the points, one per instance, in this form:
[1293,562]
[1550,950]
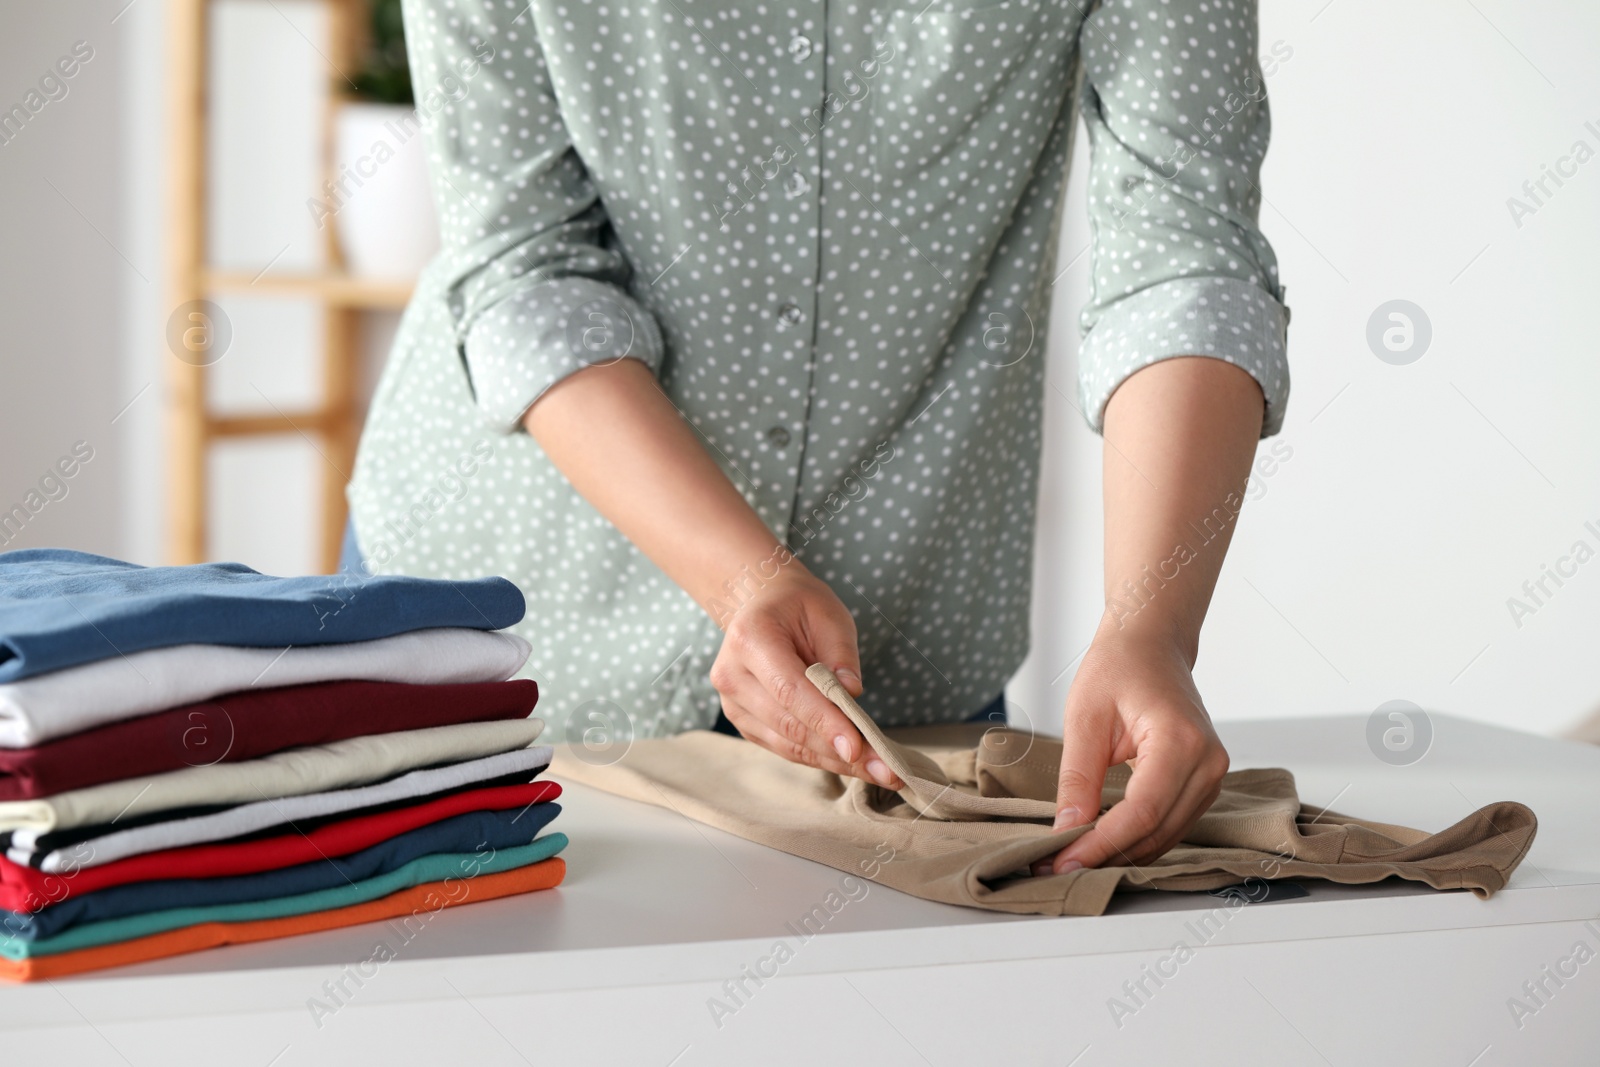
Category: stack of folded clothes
[198,756]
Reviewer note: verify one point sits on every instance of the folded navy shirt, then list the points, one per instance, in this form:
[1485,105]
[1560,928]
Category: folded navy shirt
[60,608]
[476,832]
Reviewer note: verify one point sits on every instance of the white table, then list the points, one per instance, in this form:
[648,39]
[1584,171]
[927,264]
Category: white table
[624,963]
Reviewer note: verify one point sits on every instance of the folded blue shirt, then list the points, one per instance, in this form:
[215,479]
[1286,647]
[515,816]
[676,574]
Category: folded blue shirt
[474,832]
[60,608]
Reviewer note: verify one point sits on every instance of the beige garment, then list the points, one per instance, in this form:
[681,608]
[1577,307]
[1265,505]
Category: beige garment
[973,819]
[292,772]
[1587,731]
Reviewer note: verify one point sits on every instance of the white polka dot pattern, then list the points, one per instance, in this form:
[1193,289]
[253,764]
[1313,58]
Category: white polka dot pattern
[532,339]
[1219,317]
[1176,110]
[830,227]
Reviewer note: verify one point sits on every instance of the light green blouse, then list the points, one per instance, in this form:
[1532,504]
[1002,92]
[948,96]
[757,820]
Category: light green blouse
[829,226]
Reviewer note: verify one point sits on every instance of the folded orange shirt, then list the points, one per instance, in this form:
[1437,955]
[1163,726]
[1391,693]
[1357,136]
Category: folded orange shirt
[421,901]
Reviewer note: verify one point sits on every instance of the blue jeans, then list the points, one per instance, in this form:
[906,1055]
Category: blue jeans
[350,552]
[994,711]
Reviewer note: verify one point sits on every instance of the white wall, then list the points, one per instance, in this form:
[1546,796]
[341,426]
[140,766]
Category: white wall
[1379,561]
[1376,565]
[64,267]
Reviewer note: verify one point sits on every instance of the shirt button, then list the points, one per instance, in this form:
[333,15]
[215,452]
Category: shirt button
[800,48]
[778,436]
[795,185]
[790,315]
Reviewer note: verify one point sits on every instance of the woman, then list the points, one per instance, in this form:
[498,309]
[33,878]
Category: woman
[729,359]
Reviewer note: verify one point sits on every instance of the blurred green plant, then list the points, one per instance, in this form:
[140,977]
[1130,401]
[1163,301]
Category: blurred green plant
[385,76]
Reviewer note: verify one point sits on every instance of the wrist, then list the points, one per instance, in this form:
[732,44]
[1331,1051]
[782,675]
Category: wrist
[760,576]
[1151,629]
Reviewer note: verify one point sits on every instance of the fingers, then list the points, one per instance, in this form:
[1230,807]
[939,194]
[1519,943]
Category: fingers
[1161,802]
[751,707]
[761,670]
[1197,798]
[758,732]
[1209,761]
[779,730]
[796,705]
[1086,746]
[839,652]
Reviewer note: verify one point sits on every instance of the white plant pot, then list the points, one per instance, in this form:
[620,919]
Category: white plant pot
[383,206]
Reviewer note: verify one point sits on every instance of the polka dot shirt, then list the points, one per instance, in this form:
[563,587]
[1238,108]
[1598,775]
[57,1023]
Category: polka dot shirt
[829,228]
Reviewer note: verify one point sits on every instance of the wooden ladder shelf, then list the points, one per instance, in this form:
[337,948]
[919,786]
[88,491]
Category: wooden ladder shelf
[193,428]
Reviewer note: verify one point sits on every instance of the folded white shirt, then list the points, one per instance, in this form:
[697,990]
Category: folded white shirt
[63,702]
[292,772]
[244,819]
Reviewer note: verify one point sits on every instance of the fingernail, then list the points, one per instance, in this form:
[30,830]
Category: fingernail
[1067,866]
[849,677]
[878,771]
[1065,819]
[841,746]
[1041,868]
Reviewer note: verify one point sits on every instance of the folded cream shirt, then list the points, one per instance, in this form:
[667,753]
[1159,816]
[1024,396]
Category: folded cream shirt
[63,702]
[116,844]
[293,772]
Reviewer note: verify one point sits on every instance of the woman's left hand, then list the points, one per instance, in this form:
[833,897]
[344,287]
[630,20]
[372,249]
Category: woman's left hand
[1134,699]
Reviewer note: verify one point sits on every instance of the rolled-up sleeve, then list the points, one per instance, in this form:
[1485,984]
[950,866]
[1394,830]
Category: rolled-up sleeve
[533,278]
[1175,105]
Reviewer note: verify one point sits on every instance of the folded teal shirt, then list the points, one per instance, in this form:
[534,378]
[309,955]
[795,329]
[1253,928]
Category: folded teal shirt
[60,608]
[462,866]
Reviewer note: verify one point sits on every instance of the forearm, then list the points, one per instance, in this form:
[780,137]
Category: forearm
[1180,436]
[628,452]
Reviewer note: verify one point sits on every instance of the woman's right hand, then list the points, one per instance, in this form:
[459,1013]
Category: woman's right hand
[789,622]
[649,475]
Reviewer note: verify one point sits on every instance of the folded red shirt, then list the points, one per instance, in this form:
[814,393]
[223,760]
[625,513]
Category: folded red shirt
[248,724]
[26,889]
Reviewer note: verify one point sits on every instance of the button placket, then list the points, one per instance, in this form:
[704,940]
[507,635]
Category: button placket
[795,217]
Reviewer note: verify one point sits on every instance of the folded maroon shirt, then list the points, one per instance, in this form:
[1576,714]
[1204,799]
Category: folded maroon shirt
[251,723]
